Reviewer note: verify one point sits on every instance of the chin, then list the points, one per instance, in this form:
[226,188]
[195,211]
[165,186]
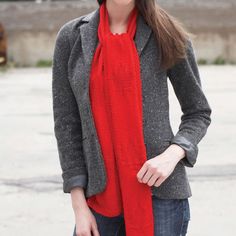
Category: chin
[122,2]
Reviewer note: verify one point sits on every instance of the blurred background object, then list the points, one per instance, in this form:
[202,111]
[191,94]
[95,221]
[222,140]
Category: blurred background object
[32,27]
[3,46]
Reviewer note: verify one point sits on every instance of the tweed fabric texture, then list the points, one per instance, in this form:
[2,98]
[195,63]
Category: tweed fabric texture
[78,146]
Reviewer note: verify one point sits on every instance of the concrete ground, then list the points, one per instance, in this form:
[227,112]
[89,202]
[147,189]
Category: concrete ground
[32,201]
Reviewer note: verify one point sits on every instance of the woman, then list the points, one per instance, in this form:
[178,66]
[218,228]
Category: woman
[121,162]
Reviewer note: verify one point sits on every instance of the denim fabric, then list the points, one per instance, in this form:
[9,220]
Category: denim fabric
[171,218]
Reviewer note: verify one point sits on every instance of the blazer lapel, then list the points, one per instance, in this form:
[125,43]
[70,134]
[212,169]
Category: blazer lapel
[89,37]
[143,32]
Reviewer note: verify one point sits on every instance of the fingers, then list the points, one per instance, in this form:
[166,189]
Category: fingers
[149,174]
[159,181]
[152,180]
[92,231]
[83,233]
[142,172]
[95,230]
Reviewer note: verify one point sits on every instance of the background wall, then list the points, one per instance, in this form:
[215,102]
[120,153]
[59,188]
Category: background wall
[31,27]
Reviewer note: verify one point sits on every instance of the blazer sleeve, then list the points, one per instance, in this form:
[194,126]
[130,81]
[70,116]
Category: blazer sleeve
[67,123]
[196,117]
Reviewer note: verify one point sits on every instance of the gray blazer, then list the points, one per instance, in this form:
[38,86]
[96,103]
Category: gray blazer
[78,146]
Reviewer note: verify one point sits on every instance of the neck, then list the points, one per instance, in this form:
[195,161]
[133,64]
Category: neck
[119,13]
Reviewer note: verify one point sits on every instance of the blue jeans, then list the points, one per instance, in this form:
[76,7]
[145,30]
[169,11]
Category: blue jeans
[171,218]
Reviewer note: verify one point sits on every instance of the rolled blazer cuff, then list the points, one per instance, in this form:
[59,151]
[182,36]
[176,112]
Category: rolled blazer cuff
[191,150]
[75,181]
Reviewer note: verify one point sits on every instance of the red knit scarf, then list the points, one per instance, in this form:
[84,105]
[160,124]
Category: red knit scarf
[116,101]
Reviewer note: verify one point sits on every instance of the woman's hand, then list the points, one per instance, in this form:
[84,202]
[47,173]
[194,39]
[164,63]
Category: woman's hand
[156,170]
[84,219]
[85,223]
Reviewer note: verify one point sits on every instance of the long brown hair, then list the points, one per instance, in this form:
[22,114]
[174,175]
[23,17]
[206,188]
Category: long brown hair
[170,33]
